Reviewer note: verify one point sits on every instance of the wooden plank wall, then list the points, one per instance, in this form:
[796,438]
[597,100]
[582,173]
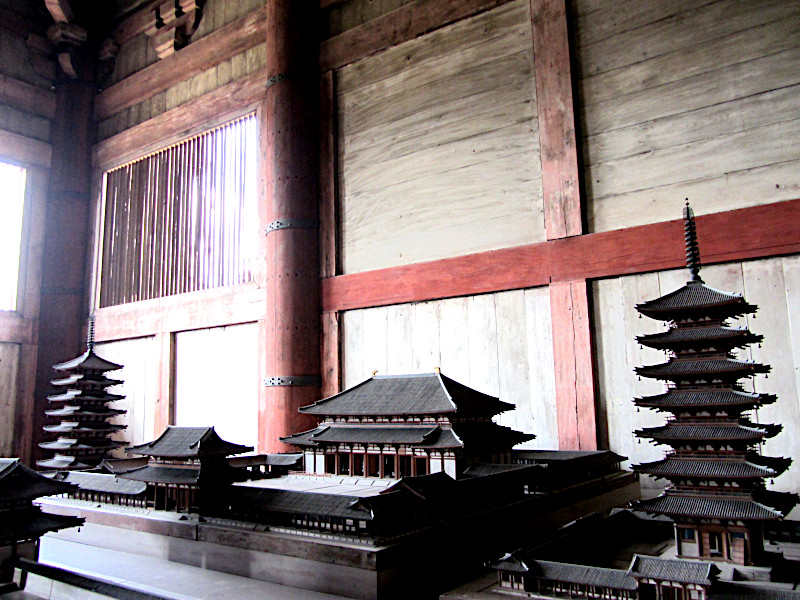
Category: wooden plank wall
[136,54]
[216,381]
[694,99]
[438,144]
[772,284]
[139,357]
[500,344]
[9,368]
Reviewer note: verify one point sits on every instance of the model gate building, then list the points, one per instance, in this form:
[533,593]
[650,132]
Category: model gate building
[717,496]
[409,425]
[83,429]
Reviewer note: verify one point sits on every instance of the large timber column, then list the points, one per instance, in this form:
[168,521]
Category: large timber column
[569,300]
[289,332]
[63,314]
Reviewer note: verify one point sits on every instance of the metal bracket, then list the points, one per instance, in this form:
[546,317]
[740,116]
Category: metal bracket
[276,79]
[292,224]
[293,380]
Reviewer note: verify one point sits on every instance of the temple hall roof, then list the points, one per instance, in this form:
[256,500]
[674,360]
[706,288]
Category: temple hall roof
[721,337]
[18,482]
[101,482]
[424,436]
[718,508]
[32,523]
[695,298]
[728,469]
[676,399]
[424,394]
[743,431]
[680,571]
[163,474]
[582,574]
[88,361]
[189,442]
[294,502]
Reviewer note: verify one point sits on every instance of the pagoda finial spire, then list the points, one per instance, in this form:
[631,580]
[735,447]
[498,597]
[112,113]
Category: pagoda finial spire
[90,334]
[692,250]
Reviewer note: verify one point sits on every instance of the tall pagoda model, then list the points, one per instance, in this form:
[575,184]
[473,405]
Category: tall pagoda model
[716,494]
[406,425]
[80,420]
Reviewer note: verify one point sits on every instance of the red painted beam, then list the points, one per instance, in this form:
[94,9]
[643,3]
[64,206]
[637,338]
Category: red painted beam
[744,234]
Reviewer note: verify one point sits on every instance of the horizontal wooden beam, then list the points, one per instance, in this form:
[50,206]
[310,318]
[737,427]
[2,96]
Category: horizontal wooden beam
[395,27]
[744,234]
[24,150]
[135,23]
[27,97]
[204,112]
[207,52]
[219,307]
[15,329]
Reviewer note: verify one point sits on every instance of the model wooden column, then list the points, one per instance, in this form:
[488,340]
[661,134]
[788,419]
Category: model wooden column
[290,216]
[63,313]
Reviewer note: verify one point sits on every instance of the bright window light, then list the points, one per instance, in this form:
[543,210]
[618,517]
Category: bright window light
[12,199]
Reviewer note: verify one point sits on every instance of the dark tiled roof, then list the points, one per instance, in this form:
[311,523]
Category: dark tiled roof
[85,396]
[695,297]
[733,469]
[424,436]
[720,337]
[431,486]
[81,429]
[739,591]
[88,361]
[293,502]
[675,369]
[189,442]
[711,508]
[163,474]
[100,482]
[32,523]
[74,446]
[78,411]
[510,564]
[740,432]
[581,574]
[122,465]
[680,571]
[62,462]
[690,398]
[426,394]
[18,482]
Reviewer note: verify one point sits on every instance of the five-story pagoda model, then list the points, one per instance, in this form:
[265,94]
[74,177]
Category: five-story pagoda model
[80,421]
[716,495]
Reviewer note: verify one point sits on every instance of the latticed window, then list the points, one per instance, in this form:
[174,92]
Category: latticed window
[182,219]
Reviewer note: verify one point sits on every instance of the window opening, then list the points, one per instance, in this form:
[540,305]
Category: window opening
[182,219]
[12,204]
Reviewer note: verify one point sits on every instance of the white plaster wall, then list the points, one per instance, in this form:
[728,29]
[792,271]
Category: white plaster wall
[216,381]
[139,357]
[773,285]
[499,344]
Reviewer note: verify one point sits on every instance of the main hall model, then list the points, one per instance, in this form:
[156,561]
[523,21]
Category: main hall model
[717,496]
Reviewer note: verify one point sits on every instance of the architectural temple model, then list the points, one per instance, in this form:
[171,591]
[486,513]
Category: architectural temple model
[716,496]
[80,423]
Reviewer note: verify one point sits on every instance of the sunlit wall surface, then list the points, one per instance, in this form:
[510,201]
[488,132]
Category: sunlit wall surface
[12,201]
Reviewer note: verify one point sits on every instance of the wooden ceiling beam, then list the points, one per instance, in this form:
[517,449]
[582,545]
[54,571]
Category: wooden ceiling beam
[27,97]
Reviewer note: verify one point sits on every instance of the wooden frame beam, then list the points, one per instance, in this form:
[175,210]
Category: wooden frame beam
[743,234]
[207,52]
[24,150]
[27,97]
[176,124]
[395,27]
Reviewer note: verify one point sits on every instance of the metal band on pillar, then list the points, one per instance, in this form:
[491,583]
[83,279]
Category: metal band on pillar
[293,380]
[292,224]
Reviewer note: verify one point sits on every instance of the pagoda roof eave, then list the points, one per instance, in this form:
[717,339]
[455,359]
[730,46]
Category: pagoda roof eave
[88,361]
[741,432]
[712,468]
[695,298]
[744,509]
[703,368]
[727,337]
[678,398]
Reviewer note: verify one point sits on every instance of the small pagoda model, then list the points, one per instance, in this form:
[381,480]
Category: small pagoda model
[406,425]
[21,522]
[716,495]
[188,469]
[80,423]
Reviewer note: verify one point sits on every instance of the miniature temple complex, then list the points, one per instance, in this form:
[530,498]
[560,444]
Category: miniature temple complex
[716,495]
[409,425]
[80,422]
[187,469]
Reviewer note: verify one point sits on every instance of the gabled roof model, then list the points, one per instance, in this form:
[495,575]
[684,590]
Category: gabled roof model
[680,571]
[18,483]
[424,394]
[189,442]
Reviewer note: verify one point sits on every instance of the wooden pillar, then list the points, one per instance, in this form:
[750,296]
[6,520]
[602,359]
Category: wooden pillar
[569,301]
[63,311]
[289,211]
[165,383]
